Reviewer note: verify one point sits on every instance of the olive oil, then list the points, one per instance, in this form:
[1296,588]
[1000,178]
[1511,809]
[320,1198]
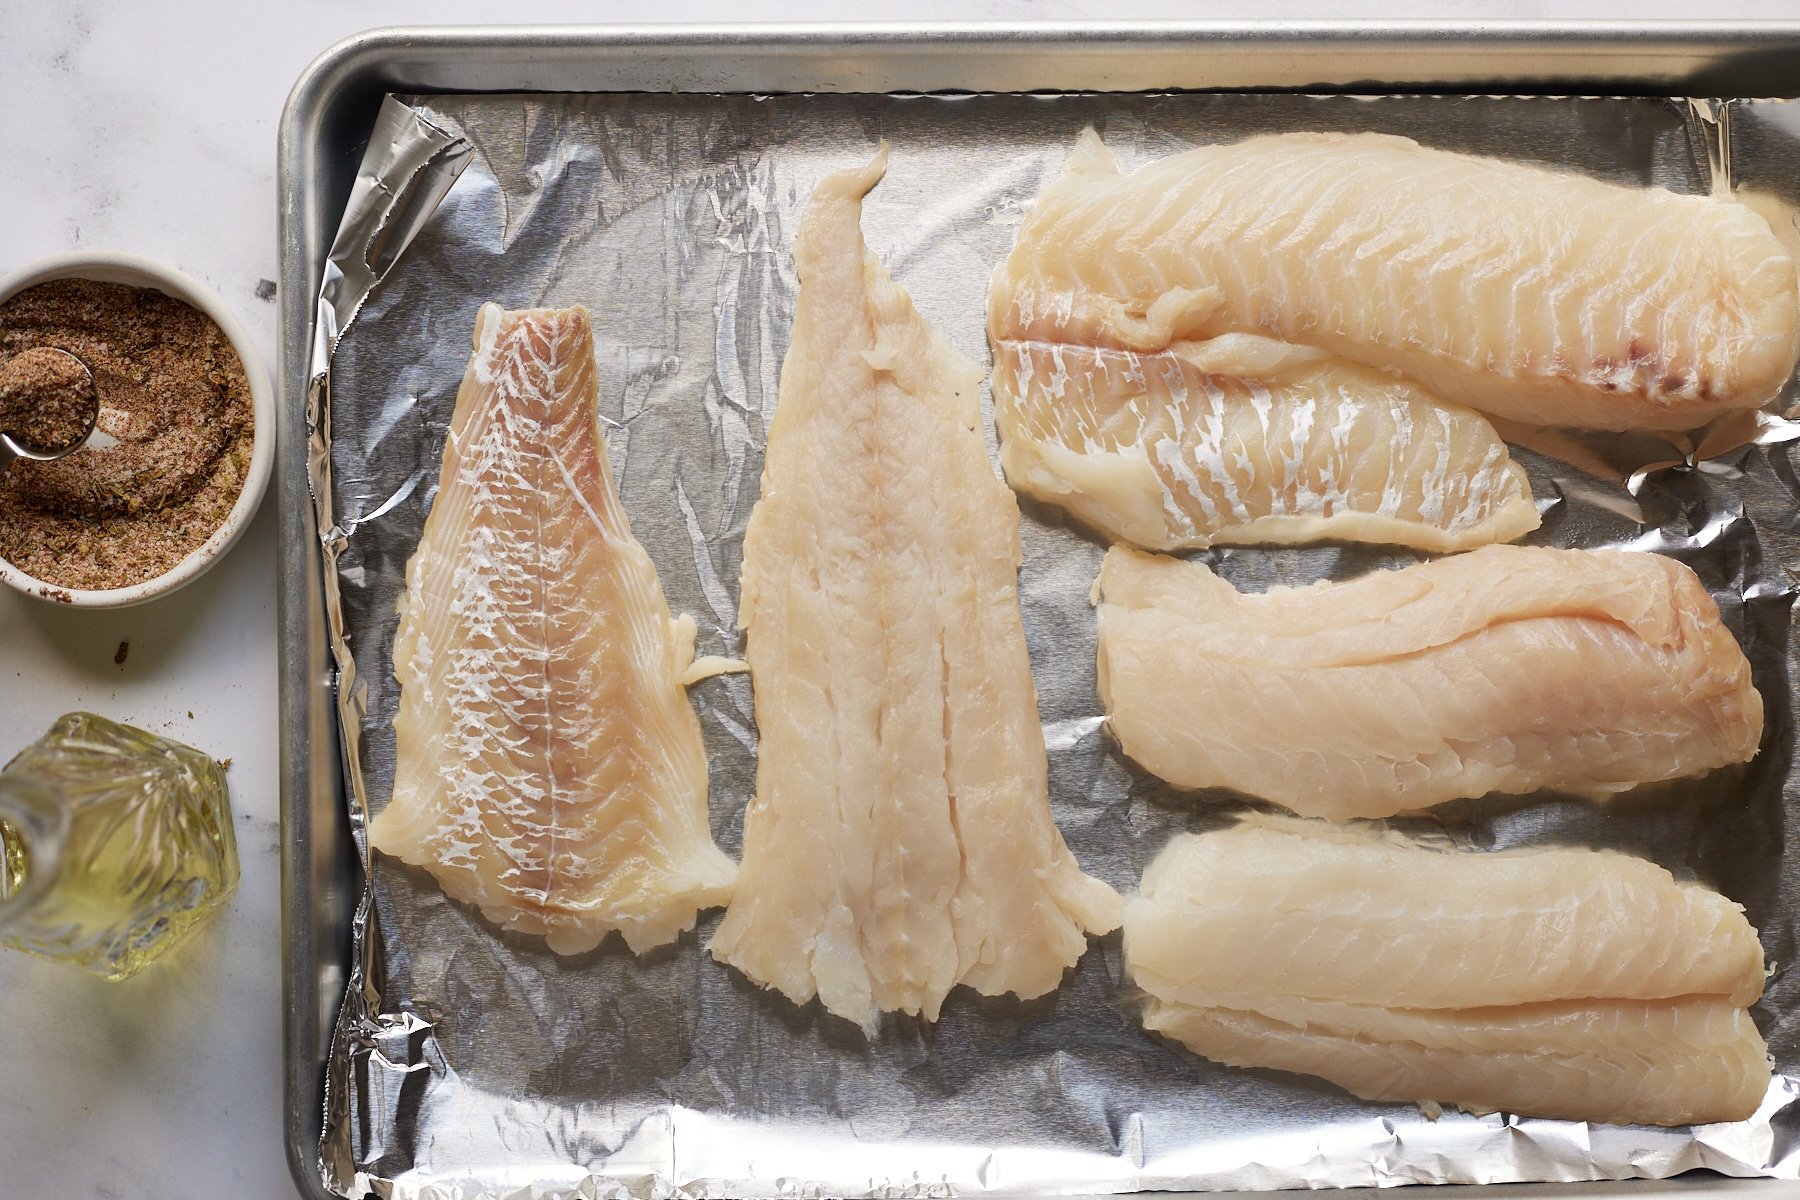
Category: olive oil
[113,844]
[15,864]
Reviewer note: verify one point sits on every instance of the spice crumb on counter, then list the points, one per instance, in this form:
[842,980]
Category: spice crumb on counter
[175,397]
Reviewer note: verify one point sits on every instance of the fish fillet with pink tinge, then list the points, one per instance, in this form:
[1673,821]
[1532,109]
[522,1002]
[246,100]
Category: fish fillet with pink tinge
[1541,296]
[549,768]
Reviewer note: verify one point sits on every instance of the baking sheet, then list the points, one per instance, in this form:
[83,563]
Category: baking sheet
[476,1064]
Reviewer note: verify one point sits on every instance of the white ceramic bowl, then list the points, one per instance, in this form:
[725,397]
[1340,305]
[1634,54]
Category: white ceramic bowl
[111,267]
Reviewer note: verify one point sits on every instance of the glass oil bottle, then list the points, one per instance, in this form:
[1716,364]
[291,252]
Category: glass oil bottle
[113,844]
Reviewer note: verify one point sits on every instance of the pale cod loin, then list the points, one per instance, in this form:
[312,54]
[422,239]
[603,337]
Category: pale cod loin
[900,842]
[1243,440]
[1541,296]
[549,768]
[1562,983]
[1507,669]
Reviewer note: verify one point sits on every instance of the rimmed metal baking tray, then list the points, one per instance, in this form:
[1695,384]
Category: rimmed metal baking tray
[325,126]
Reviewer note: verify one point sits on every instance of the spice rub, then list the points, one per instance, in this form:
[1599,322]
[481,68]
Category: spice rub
[46,400]
[174,396]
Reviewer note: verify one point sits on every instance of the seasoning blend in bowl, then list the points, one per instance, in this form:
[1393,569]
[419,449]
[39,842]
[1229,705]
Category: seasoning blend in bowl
[188,427]
[47,401]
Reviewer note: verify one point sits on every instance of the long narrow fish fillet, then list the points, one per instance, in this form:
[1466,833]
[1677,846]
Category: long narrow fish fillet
[549,768]
[1559,983]
[1544,297]
[1245,440]
[1461,930]
[1507,669]
[900,841]
[1691,1063]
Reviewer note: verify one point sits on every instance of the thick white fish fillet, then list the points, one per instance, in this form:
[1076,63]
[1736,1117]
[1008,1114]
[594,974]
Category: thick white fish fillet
[1663,1063]
[549,769]
[1544,297]
[1559,983]
[1430,929]
[1507,669]
[1245,440]
[900,841]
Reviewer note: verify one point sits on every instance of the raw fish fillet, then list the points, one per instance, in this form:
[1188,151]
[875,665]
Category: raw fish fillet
[1244,440]
[549,769]
[900,841]
[1507,669]
[1562,983]
[1544,297]
[1669,1062]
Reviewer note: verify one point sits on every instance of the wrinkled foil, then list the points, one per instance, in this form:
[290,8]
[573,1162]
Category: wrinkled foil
[469,1064]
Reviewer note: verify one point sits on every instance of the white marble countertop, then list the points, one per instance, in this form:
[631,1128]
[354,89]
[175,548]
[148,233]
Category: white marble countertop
[151,128]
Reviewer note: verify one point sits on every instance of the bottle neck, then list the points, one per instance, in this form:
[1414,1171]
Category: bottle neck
[34,827]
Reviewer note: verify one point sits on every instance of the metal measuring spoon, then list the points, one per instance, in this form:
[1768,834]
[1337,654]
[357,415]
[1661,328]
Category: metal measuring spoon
[12,445]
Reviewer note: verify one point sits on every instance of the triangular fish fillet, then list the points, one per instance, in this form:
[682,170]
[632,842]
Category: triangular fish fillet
[1541,296]
[1507,669]
[549,768]
[900,841]
[1243,440]
[1560,983]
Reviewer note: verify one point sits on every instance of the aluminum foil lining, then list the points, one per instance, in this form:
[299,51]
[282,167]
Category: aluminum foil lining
[472,1064]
